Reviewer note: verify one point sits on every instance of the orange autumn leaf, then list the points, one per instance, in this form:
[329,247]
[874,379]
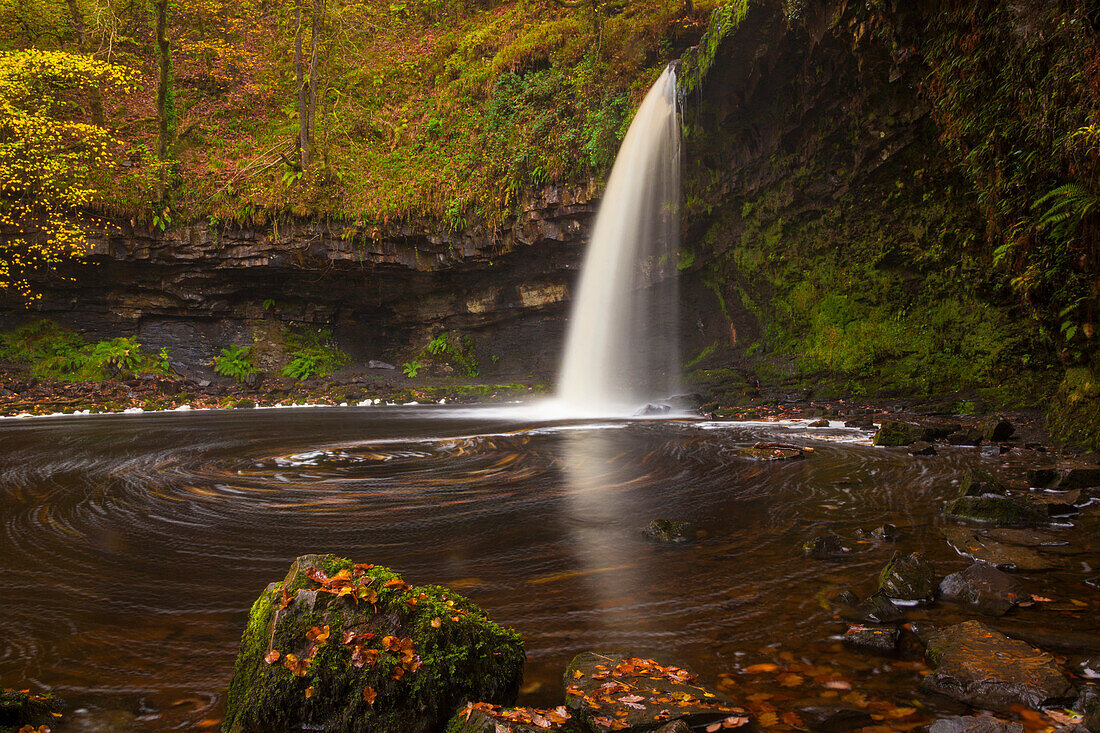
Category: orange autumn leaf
[397,583]
[768,720]
[309,692]
[369,694]
[792,719]
[272,656]
[437,622]
[397,673]
[761,668]
[318,636]
[790,679]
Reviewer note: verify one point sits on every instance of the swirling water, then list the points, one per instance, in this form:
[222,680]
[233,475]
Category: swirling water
[132,546]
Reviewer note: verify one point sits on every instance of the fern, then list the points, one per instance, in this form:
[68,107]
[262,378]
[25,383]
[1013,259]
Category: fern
[1068,206]
[235,362]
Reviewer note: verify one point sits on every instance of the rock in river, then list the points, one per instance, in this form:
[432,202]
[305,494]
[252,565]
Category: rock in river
[878,609]
[1007,549]
[340,646]
[825,547]
[910,579]
[983,667]
[668,531]
[19,708]
[1003,511]
[488,718]
[896,433]
[974,724]
[872,639]
[984,588]
[613,691]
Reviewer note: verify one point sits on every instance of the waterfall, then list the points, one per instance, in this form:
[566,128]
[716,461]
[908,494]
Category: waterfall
[622,344]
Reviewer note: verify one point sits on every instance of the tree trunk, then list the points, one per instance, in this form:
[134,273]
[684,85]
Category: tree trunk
[164,100]
[303,94]
[95,99]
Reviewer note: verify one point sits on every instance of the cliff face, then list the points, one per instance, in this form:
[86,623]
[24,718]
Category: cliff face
[383,292]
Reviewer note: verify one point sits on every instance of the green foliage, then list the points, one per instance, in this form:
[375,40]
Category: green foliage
[235,362]
[411,368]
[53,352]
[312,355]
[448,348]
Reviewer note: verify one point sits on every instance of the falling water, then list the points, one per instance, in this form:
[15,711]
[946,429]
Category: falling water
[622,347]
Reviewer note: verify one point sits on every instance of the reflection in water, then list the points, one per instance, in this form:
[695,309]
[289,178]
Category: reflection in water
[598,499]
[131,547]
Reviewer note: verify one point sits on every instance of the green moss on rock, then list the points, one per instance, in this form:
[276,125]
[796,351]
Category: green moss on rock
[460,655]
[1000,510]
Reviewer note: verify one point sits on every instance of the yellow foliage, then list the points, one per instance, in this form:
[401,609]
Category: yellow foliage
[48,163]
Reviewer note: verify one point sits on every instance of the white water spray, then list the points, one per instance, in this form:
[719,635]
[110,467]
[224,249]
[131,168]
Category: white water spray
[622,346]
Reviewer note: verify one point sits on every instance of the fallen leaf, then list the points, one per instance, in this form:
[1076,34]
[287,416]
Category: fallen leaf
[318,636]
[760,668]
[838,685]
[309,692]
[768,720]
[437,622]
[791,718]
[272,656]
[369,694]
[790,679]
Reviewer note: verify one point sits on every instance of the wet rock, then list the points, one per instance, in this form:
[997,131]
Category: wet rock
[651,693]
[376,364]
[1060,503]
[826,547]
[885,533]
[678,726]
[1000,510]
[861,423]
[898,433]
[23,708]
[984,588]
[872,639]
[940,430]
[652,409]
[819,424]
[381,664]
[834,719]
[995,428]
[689,402]
[981,666]
[668,531]
[1024,537]
[486,718]
[922,448]
[1094,582]
[878,609]
[994,449]
[977,482]
[1065,478]
[1088,704]
[965,437]
[981,546]
[910,579]
[973,724]
[773,452]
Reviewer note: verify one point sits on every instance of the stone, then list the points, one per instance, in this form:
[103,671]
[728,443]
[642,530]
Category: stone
[977,482]
[878,609]
[19,708]
[401,659]
[993,450]
[999,510]
[486,718]
[1025,537]
[984,588]
[861,423]
[982,667]
[376,364]
[1064,478]
[652,693]
[910,579]
[872,639]
[996,428]
[819,424]
[965,437]
[652,409]
[825,547]
[974,724]
[922,448]
[1089,705]
[668,531]
[885,533]
[980,546]
[677,726]
[834,719]
[898,433]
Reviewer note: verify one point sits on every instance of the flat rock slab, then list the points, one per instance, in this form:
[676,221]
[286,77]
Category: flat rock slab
[613,692]
[1003,511]
[983,667]
[910,579]
[973,724]
[983,587]
[1025,537]
[878,609]
[486,718]
[872,639]
[980,546]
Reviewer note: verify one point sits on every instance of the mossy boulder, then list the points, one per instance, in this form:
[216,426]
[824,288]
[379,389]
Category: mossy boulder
[825,547]
[24,708]
[996,428]
[1003,511]
[340,646]
[897,433]
[911,579]
[977,482]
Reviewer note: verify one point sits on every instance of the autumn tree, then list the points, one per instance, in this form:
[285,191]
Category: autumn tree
[51,164]
[307,85]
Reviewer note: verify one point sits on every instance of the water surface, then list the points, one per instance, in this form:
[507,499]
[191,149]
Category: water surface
[131,546]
